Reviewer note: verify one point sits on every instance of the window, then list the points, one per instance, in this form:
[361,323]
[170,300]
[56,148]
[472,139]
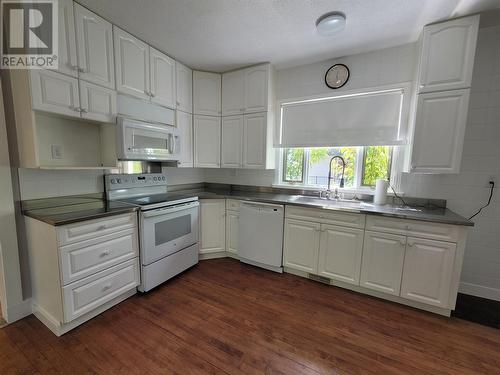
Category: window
[309,166]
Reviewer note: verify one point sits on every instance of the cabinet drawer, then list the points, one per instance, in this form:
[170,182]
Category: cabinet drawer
[86,258]
[233,204]
[93,228]
[87,294]
[344,219]
[421,229]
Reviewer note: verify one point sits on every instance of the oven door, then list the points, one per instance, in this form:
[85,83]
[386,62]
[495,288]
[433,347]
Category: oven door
[145,141]
[168,230]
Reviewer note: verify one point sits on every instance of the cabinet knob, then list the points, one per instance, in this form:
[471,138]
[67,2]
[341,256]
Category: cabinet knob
[106,287]
[83,110]
[402,243]
[410,244]
[105,253]
[82,70]
[73,67]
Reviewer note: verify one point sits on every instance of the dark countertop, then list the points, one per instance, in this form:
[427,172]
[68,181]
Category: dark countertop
[436,215]
[67,210]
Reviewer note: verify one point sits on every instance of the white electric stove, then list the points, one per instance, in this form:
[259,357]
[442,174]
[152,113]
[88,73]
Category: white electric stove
[168,225]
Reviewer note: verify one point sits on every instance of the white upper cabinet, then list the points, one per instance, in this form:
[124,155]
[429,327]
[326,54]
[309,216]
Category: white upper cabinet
[95,48]
[447,55]
[97,103]
[257,82]
[428,271]
[162,70]
[68,63]
[207,135]
[233,93]
[232,142]
[54,92]
[132,64]
[184,123]
[206,93]
[254,141]
[439,131]
[340,253]
[382,263]
[184,88]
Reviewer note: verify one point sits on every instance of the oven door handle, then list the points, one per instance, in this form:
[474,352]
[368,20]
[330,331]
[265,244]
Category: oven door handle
[169,210]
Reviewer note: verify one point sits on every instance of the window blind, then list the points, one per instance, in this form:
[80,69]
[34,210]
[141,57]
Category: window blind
[360,119]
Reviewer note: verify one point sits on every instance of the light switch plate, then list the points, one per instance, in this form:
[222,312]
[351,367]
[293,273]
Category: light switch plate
[56,151]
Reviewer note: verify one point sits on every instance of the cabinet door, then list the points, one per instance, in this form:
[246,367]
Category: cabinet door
[254,141]
[185,125]
[212,225]
[206,93]
[232,219]
[94,37]
[428,270]
[340,253]
[256,88]
[162,70]
[132,64]
[68,63]
[232,142]
[301,245]
[54,92]
[97,103]
[233,93]
[207,134]
[447,56]
[382,263]
[439,131]
[184,88]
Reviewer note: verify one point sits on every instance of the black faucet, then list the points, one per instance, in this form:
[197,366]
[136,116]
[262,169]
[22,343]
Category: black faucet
[330,171]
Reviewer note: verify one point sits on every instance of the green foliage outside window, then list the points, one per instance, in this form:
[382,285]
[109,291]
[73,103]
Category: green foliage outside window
[293,165]
[377,164]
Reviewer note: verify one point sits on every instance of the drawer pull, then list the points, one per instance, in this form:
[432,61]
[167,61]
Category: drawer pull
[106,287]
[402,243]
[101,227]
[410,244]
[105,253]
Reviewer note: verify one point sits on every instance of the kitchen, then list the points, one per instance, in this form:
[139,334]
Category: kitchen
[233,197]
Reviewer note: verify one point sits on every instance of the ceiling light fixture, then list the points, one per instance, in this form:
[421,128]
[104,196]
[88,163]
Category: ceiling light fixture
[330,23]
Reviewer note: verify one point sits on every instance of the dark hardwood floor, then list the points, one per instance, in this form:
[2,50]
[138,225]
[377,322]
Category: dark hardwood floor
[225,317]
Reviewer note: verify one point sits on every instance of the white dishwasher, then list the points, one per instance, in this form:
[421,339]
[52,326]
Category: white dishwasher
[260,235]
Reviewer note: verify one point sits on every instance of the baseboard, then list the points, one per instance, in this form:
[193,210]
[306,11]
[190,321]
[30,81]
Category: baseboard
[479,291]
[19,311]
[205,256]
[59,329]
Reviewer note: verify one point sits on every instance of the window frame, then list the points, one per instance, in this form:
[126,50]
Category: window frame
[358,177]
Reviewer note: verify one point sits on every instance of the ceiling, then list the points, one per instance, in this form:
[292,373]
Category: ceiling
[220,35]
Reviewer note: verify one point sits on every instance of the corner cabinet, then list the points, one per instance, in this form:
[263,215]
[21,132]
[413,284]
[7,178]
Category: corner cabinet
[184,88]
[212,226]
[447,55]
[207,136]
[439,131]
[444,78]
[206,93]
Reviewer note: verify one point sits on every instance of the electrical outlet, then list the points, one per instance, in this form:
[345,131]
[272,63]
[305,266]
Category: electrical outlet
[56,151]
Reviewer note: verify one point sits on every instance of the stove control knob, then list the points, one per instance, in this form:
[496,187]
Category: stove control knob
[113,181]
[163,178]
[154,178]
[119,181]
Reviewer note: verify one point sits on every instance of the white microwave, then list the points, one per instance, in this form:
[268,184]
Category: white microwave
[138,140]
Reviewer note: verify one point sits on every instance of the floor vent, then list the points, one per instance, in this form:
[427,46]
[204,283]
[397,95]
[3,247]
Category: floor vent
[321,279]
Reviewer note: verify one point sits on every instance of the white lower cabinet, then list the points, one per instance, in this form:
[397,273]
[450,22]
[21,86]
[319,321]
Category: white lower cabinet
[79,270]
[301,244]
[382,264]
[428,271]
[340,253]
[212,226]
[232,220]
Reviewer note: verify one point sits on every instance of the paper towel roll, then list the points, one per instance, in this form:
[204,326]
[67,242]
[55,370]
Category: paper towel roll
[381,191]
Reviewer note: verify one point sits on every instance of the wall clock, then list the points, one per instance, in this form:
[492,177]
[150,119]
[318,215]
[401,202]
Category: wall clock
[337,76]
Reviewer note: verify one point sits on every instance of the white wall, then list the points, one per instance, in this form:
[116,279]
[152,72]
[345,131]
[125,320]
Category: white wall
[468,190]
[11,296]
[378,68]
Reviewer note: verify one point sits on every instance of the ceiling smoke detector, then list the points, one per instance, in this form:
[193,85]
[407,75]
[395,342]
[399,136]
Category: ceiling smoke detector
[330,23]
